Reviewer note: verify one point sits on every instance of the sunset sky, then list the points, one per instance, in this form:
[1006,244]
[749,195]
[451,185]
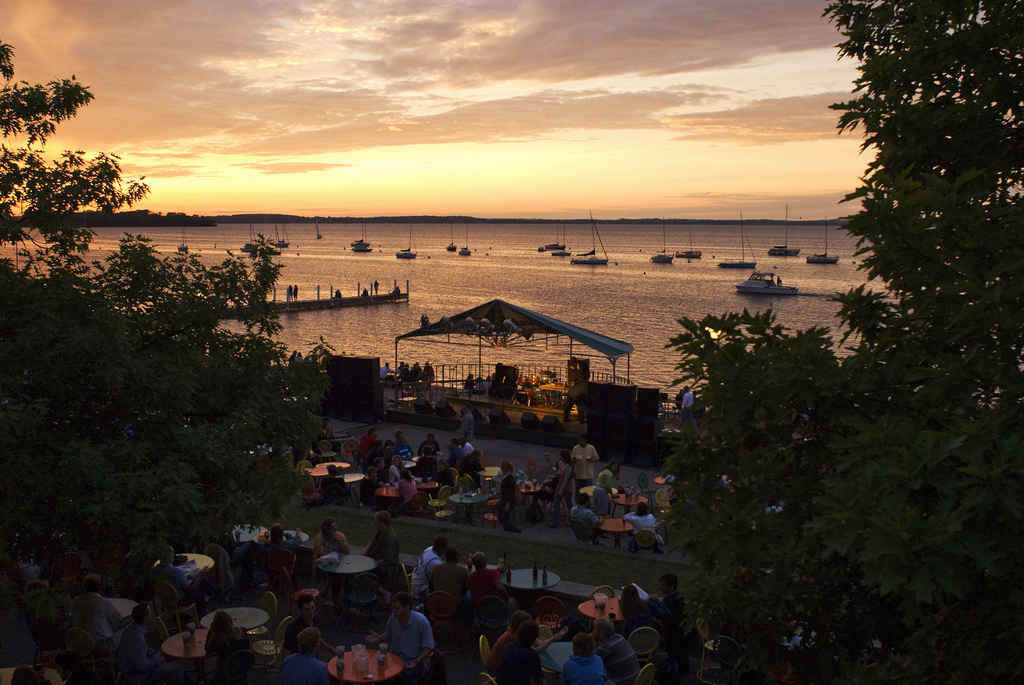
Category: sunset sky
[538,108]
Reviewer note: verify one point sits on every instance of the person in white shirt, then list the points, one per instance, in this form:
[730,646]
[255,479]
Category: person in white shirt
[432,556]
[96,615]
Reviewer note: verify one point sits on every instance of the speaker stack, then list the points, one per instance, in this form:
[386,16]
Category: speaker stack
[611,409]
[498,417]
[442,408]
[551,424]
[422,406]
[529,421]
[356,393]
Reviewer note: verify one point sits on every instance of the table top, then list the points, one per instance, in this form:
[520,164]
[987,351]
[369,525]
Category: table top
[409,463]
[388,491]
[175,648]
[589,609]
[248,533]
[522,579]
[557,387]
[557,653]
[354,477]
[614,526]
[624,501]
[350,564]
[589,489]
[469,497]
[662,480]
[245,618]
[489,471]
[123,605]
[52,675]
[320,470]
[348,674]
[429,485]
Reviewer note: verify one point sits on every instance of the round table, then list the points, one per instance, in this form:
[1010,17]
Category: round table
[467,500]
[52,675]
[123,605]
[320,470]
[428,486]
[388,492]
[589,490]
[245,618]
[194,650]
[247,533]
[616,527]
[350,564]
[663,480]
[354,478]
[611,609]
[489,471]
[348,674]
[557,653]
[627,503]
[522,579]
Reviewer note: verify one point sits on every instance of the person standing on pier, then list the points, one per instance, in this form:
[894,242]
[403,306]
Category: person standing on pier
[376,287]
[686,409]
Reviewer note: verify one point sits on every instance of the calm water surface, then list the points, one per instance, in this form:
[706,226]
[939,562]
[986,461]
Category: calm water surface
[630,299]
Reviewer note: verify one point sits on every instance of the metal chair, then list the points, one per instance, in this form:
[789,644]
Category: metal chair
[646,675]
[439,505]
[236,668]
[604,590]
[161,629]
[81,643]
[168,596]
[644,641]
[485,679]
[326,450]
[271,649]
[583,530]
[643,486]
[67,571]
[548,611]
[361,594]
[303,466]
[728,653]
[440,606]
[645,539]
[280,563]
[493,612]
[661,499]
[268,602]
[485,650]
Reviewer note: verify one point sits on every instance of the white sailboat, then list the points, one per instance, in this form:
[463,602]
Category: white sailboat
[663,257]
[281,242]
[407,253]
[183,248]
[451,242]
[823,258]
[251,245]
[784,250]
[742,262]
[465,252]
[591,258]
[318,236]
[361,245]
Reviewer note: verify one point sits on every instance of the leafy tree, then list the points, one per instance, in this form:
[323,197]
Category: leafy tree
[897,461]
[128,414]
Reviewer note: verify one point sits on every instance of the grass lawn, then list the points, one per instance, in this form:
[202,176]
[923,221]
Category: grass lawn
[575,562]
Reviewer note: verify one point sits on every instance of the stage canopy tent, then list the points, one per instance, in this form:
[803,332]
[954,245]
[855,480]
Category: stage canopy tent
[502,324]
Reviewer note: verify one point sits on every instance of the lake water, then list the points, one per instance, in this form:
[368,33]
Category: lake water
[630,299]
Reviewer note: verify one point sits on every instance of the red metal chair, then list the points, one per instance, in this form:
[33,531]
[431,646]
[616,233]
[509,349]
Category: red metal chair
[440,607]
[279,564]
[491,516]
[67,571]
[548,611]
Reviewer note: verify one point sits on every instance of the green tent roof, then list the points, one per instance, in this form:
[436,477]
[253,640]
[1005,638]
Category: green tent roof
[501,323]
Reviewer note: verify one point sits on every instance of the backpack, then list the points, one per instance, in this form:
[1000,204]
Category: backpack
[534,513]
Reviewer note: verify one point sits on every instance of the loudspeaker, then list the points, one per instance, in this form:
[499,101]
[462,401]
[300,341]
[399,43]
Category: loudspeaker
[442,408]
[645,429]
[423,406]
[597,398]
[551,424]
[621,400]
[477,416]
[498,417]
[648,401]
[529,421]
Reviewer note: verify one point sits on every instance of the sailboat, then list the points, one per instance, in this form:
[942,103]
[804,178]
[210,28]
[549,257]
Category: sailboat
[590,258]
[451,242]
[561,251]
[361,245]
[407,253]
[318,236]
[281,242]
[742,262]
[553,247]
[663,257]
[183,248]
[465,251]
[823,258]
[784,250]
[251,245]
[691,253]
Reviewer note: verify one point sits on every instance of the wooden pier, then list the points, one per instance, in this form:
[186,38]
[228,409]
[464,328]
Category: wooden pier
[332,302]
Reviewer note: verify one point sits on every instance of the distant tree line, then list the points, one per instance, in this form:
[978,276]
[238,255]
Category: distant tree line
[428,219]
[142,217]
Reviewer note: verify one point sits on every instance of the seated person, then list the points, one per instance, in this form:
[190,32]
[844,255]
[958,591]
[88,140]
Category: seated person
[138,662]
[224,638]
[451,576]
[583,667]
[192,587]
[330,540]
[485,581]
[445,474]
[429,442]
[635,612]
[455,453]
[367,440]
[307,618]
[581,513]
[620,663]
[520,664]
[96,615]
[643,519]
[303,667]
[408,490]
[409,634]
[402,448]
[426,467]
[383,547]
[395,472]
[368,490]
[376,452]
[512,634]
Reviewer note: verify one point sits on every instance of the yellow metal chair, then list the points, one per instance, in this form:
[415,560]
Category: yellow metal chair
[326,450]
[661,499]
[161,629]
[485,679]
[604,590]
[269,604]
[440,504]
[644,641]
[645,539]
[81,643]
[304,465]
[485,650]
[646,675]
[169,601]
[270,650]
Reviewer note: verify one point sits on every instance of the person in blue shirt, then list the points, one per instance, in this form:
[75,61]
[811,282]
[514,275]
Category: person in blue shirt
[520,664]
[455,453]
[409,635]
[303,667]
[190,589]
[583,667]
[139,663]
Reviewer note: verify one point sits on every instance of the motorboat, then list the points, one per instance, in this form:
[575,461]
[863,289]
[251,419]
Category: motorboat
[824,257]
[784,250]
[591,258]
[742,262]
[764,283]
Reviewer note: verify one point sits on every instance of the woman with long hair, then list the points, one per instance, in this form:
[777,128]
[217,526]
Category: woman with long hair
[635,612]
[329,540]
[224,638]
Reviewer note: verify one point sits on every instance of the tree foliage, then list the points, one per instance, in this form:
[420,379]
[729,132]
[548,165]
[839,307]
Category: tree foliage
[897,464]
[128,414]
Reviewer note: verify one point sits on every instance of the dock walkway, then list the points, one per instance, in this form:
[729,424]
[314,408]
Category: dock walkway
[332,302]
